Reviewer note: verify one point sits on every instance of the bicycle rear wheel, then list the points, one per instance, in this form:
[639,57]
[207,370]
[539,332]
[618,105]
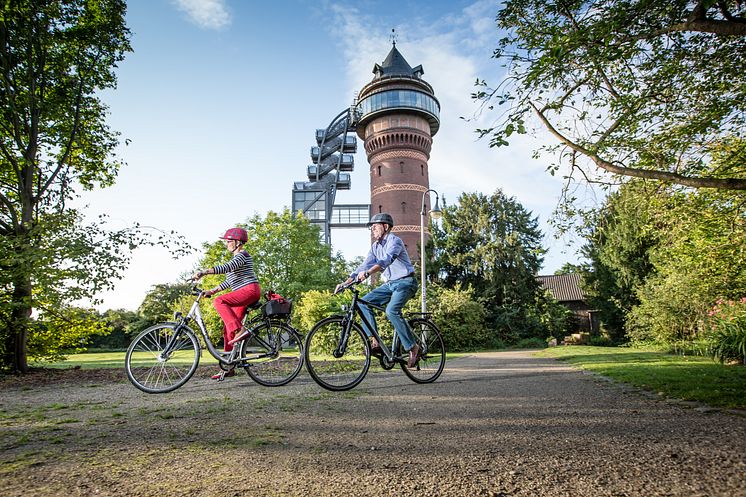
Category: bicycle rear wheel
[432,352]
[154,369]
[275,352]
[331,365]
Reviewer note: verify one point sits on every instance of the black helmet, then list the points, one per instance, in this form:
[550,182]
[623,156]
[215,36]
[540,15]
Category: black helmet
[383,217]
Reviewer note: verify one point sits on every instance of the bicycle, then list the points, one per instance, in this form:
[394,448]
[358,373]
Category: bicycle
[164,357]
[337,352]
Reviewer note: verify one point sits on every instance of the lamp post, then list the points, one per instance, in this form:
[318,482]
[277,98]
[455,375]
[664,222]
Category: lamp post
[435,214]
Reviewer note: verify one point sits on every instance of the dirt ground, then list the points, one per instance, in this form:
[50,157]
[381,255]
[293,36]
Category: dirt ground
[494,424]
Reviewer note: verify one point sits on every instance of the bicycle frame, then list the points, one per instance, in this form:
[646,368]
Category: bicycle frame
[350,317]
[224,358]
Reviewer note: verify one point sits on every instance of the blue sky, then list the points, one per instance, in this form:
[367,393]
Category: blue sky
[220,100]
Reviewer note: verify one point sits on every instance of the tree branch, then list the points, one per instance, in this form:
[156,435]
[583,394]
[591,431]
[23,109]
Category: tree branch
[714,26]
[694,182]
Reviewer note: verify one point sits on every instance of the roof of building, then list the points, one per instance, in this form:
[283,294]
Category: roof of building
[396,65]
[564,287]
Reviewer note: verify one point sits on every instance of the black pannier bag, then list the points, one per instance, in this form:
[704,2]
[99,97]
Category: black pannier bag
[277,305]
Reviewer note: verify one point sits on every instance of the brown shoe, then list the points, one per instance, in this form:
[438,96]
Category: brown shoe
[414,356]
[375,348]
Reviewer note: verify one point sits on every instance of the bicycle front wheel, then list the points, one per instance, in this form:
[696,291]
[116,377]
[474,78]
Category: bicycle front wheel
[274,354]
[161,359]
[432,352]
[336,360]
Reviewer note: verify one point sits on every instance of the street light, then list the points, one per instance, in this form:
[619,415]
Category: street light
[435,213]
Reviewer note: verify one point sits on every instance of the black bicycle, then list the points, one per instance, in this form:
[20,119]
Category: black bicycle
[337,351]
[165,356]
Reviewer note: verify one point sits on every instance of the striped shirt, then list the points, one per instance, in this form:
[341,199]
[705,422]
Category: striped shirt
[239,272]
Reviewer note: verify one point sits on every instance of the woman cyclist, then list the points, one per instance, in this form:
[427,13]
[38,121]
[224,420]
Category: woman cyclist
[242,281]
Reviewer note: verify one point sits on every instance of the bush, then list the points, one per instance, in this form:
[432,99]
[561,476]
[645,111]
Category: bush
[725,334]
[556,319]
[315,305]
[459,317]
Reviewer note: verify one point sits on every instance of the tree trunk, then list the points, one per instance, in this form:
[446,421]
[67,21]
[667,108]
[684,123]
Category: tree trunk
[19,323]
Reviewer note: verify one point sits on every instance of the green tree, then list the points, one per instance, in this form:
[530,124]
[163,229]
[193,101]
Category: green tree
[635,87]
[120,327]
[55,58]
[159,303]
[701,258]
[621,236]
[493,245]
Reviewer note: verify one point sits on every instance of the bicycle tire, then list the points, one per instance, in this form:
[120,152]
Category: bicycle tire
[336,373]
[149,371]
[282,349]
[432,362]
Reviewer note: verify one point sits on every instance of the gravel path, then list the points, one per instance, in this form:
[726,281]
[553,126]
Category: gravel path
[495,424]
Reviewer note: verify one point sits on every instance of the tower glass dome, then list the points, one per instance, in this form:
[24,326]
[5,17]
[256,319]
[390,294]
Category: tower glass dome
[388,100]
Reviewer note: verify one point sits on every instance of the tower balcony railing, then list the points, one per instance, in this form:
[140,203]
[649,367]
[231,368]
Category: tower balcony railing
[388,100]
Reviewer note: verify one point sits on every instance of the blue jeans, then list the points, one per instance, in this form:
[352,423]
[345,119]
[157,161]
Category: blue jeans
[395,294]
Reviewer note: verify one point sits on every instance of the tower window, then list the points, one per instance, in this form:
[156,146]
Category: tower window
[379,170]
[422,169]
[401,166]
[380,209]
[403,207]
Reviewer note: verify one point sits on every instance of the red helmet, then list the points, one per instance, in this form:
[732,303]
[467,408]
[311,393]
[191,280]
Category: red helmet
[239,234]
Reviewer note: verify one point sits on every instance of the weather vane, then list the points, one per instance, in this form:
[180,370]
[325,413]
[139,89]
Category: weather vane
[393,36]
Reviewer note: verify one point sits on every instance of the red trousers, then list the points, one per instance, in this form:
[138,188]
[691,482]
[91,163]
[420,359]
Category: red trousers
[232,308]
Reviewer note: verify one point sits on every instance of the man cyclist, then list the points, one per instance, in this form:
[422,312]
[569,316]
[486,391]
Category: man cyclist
[388,255]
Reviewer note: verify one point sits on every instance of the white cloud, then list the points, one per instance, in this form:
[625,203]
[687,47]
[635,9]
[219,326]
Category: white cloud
[207,14]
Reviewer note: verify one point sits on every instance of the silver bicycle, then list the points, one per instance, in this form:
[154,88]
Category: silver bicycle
[165,356]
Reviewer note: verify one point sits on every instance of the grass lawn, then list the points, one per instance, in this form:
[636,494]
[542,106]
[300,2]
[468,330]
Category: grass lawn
[102,359]
[682,377]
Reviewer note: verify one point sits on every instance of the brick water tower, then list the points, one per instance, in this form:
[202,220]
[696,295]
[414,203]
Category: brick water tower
[398,116]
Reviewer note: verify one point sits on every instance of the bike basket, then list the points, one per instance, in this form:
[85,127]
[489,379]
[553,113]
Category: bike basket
[277,307]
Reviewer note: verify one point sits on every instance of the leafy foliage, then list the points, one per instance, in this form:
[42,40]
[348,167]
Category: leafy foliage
[634,87]
[492,245]
[620,236]
[460,317]
[700,258]
[556,319]
[55,58]
[121,326]
[316,305]
[660,255]
[725,333]
[158,305]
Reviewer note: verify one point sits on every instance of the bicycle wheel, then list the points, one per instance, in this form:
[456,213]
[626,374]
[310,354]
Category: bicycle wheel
[432,355]
[329,367]
[275,352]
[152,368]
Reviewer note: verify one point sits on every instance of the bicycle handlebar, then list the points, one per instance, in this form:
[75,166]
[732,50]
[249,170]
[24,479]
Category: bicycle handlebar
[345,286]
[197,291]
